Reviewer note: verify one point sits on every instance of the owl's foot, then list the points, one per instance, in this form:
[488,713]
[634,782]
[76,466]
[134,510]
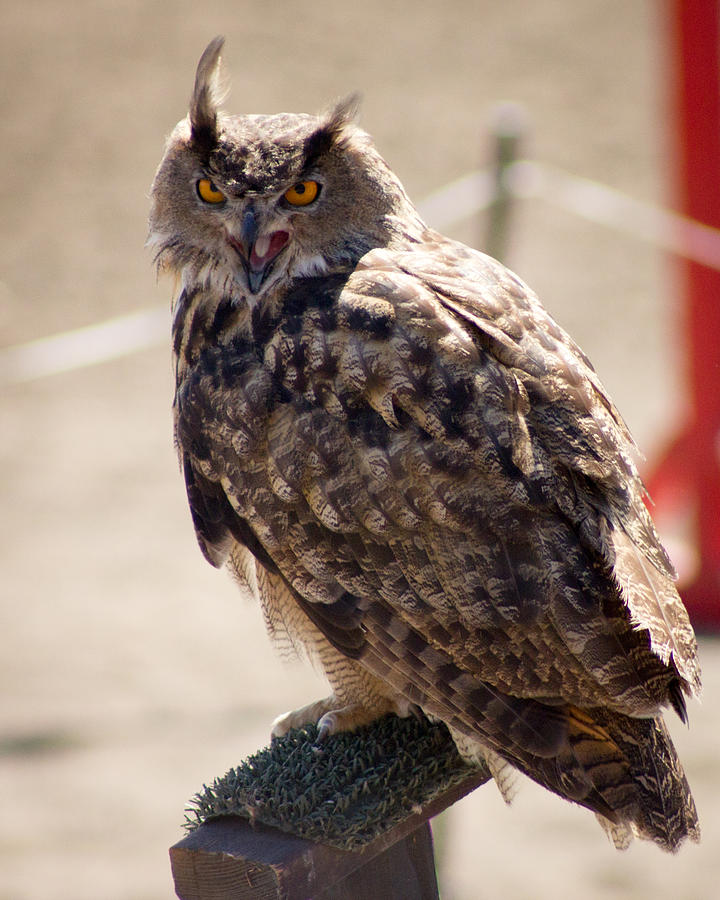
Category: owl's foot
[332,717]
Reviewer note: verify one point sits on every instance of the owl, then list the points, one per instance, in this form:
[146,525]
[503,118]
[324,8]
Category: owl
[394,447]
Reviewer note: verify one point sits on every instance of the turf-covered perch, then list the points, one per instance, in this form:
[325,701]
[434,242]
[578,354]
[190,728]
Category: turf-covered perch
[346,791]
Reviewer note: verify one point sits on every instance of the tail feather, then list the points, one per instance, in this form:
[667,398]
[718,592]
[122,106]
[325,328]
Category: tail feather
[636,775]
[667,813]
[624,769]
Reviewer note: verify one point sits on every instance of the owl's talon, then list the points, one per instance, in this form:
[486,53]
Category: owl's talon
[332,716]
[326,726]
[297,718]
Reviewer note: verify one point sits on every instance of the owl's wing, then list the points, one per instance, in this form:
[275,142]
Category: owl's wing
[577,437]
[436,473]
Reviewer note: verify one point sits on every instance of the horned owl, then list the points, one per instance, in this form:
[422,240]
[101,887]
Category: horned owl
[392,444]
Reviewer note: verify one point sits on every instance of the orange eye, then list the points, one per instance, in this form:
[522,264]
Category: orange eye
[208,192]
[303,193]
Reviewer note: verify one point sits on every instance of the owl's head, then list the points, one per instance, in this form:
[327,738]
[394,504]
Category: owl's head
[260,199]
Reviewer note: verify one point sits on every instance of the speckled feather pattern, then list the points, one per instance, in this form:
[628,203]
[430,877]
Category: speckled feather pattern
[464,488]
[422,479]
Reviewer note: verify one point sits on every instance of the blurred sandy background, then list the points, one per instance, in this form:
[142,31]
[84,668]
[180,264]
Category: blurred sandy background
[130,671]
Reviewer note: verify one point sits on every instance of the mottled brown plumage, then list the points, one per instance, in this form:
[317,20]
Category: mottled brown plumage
[418,473]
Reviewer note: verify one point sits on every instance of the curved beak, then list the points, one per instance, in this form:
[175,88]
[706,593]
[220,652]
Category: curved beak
[257,251]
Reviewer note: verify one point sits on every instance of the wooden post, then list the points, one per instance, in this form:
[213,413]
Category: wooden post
[231,859]
[507,128]
[228,858]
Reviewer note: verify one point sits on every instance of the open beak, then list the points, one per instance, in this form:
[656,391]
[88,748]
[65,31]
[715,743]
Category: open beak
[258,252]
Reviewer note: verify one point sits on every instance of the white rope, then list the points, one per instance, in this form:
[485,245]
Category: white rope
[84,346]
[448,206]
[458,200]
[606,206]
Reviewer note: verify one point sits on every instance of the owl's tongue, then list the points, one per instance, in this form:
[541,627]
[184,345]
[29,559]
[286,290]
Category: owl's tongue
[266,248]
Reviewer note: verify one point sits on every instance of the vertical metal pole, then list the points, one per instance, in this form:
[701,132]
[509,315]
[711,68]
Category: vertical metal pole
[694,461]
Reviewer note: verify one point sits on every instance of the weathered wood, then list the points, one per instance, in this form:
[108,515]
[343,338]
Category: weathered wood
[230,859]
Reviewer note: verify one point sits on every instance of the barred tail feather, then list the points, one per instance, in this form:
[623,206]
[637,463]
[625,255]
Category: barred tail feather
[634,768]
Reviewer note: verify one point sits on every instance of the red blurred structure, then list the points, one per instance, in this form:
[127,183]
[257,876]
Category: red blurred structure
[690,472]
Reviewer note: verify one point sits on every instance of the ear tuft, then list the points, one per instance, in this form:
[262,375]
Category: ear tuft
[344,112]
[206,97]
[331,130]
